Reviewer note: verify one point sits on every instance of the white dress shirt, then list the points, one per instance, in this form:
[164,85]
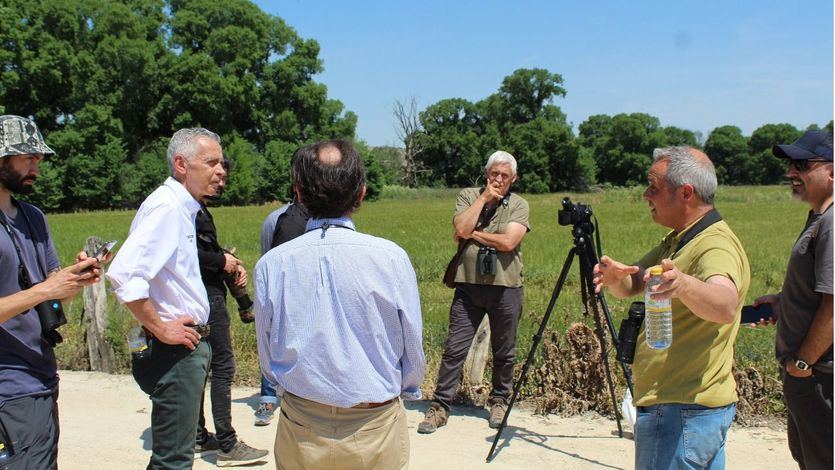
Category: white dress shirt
[159,261]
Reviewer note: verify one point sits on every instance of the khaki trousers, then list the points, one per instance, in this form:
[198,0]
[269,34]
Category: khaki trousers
[313,436]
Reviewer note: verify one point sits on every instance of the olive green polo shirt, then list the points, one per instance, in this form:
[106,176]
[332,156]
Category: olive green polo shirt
[697,368]
[509,267]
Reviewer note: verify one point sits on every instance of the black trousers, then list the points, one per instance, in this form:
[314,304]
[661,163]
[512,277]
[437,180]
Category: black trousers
[222,372]
[503,307]
[29,430]
[809,405]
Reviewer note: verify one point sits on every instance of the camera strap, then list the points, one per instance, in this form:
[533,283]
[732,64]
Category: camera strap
[23,273]
[709,219]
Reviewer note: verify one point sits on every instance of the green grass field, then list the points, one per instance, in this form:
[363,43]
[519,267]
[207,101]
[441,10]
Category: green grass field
[764,218]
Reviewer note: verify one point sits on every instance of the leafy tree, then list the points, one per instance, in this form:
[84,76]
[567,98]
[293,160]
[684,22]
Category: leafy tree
[149,171]
[450,142]
[622,145]
[273,182]
[768,168]
[728,149]
[241,186]
[96,72]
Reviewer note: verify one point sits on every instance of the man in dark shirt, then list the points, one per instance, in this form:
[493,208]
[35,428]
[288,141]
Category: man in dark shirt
[30,275]
[217,268]
[804,306]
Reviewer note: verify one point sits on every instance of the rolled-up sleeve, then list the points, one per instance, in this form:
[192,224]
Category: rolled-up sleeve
[152,241]
[413,361]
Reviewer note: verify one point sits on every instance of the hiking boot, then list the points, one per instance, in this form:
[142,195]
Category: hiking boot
[247,315]
[434,418]
[241,454]
[208,445]
[497,411]
[264,414]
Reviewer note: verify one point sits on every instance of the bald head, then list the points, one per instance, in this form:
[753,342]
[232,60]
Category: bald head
[687,165]
[329,155]
[329,178]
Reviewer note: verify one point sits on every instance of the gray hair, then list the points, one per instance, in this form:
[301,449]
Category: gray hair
[685,167]
[184,142]
[499,157]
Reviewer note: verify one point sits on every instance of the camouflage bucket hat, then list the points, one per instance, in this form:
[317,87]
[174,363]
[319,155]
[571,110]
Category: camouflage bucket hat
[20,136]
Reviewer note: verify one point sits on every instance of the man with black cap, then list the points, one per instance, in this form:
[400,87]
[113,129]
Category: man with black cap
[30,277]
[804,306]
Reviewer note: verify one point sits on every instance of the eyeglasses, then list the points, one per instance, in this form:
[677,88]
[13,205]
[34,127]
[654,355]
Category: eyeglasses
[803,165]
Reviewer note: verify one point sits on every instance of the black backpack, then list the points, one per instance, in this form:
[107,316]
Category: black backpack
[289,225]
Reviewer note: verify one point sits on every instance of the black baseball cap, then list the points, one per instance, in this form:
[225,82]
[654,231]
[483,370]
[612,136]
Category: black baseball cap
[812,145]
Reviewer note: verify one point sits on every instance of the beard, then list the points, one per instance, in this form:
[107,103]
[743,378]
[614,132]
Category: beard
[14,181]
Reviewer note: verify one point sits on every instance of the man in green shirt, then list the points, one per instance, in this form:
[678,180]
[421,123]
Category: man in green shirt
[490,223]
[685,394]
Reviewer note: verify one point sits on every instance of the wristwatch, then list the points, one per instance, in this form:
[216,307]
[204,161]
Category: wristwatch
[801,364]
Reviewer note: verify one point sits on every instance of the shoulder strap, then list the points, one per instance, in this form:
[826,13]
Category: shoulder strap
[709,219]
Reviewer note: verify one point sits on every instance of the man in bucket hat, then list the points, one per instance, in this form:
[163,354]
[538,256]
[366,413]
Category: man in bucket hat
[31,279]
[804,306]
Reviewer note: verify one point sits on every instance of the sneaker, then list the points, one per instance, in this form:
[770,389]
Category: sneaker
[497,411]
[209,445]
[434,418]
[264,414]
[241,454]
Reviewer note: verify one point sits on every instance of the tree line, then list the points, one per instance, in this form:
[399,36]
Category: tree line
[109,81]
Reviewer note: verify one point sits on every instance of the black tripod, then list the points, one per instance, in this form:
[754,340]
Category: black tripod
[579,216]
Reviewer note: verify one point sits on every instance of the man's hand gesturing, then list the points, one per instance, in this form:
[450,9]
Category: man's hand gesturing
[609,271]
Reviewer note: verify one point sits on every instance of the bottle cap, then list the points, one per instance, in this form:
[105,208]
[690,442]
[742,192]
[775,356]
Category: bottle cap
[656,270]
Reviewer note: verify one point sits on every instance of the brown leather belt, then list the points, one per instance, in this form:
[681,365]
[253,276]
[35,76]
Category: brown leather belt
[374,405]
[358,406]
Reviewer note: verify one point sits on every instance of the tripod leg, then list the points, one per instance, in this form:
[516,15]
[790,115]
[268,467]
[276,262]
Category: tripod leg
[536,340]
[587,290]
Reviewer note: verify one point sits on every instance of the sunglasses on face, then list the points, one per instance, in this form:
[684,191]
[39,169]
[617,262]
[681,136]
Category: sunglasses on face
[803,165]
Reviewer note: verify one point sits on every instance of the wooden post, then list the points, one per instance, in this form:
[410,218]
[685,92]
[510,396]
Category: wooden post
[477,355]
[102,357]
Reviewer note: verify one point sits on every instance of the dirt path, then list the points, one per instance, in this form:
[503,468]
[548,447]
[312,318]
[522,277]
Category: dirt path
[105,424]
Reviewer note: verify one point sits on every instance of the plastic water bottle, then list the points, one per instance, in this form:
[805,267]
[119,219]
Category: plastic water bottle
[659,315]
[137,343]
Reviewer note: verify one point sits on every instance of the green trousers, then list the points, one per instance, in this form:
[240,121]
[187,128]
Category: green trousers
[174,376]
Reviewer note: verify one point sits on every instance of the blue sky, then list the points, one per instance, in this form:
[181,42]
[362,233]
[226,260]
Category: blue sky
[695,65]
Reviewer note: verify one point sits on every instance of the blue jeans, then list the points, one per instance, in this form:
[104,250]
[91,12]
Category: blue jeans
[681,436]
[267,392]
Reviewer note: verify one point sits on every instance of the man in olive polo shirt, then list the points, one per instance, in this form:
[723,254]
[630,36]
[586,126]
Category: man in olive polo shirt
[491,223]
[685,394]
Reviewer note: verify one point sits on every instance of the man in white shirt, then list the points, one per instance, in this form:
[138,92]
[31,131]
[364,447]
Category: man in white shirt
[157,276]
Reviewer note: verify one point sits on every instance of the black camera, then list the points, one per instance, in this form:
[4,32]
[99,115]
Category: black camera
[630,327]
[51,316]
[573,214]
[487,261]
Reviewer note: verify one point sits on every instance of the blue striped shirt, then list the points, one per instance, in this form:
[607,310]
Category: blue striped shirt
[338,317]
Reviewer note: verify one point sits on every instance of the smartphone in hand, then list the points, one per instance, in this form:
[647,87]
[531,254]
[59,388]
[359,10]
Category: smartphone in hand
[103,250]
[751,314]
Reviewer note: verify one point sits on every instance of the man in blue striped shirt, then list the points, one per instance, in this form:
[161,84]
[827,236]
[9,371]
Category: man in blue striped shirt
[339,326]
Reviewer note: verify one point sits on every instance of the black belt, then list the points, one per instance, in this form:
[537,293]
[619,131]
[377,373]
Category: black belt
[202,330]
